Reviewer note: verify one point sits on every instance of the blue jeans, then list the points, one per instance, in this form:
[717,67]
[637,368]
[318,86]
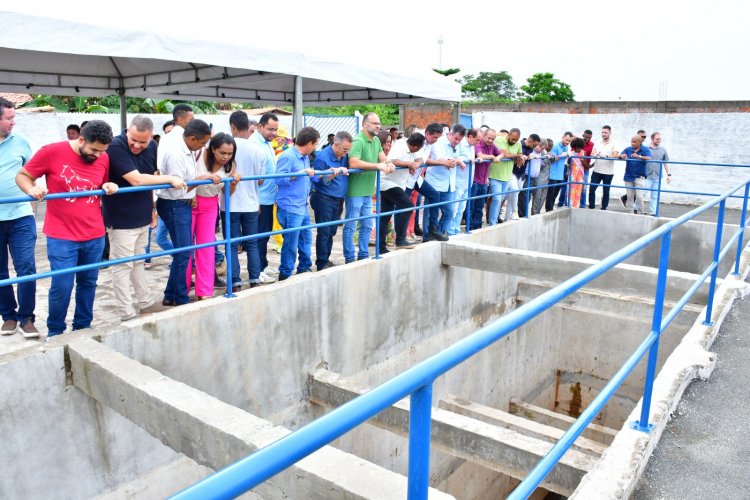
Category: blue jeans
[162,235]
[178,217]
[63,254]
[458,210]
[583,189]
[477,205]
[18,236]
[265,225]
[296,241]
[652,184]
[357,206]
[327,209]
[499,191]
[446,212]
[430,196]
[243,224]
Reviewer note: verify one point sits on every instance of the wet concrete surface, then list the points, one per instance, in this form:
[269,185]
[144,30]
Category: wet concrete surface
[705,449]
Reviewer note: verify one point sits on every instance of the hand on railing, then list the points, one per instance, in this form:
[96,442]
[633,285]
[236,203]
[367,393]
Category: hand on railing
[110,188]
[37,192]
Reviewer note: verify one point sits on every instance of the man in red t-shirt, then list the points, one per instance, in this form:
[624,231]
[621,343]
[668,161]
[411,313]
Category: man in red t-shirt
[588,147]
[73,226]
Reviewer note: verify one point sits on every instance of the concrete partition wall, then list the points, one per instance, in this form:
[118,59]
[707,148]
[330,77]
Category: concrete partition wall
[56,442]
[596,234]
[257,350]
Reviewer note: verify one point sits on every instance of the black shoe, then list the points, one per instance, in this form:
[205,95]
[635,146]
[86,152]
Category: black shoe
[384,251]
[237,287]
[418,231]
[439,236]
[219,282]
[624,200]
[168,303]
[283,277]
[254,285]
[308,270]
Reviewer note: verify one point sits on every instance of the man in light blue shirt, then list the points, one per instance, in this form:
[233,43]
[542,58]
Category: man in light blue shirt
[291,201]
[441,172]
[559,156]
[467,154]
[17,230]
[262,137]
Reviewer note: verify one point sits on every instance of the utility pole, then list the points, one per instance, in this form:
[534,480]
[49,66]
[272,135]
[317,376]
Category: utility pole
[440,52]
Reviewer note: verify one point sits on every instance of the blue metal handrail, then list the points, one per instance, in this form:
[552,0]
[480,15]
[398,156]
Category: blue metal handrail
[417,382]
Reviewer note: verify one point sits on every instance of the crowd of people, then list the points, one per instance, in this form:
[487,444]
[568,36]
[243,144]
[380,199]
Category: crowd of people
[434,164]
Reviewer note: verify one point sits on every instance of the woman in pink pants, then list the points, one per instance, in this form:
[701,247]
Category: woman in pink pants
[217,162]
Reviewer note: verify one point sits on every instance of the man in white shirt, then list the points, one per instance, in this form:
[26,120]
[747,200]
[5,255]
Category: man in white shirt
[602,170]
[174,205]
[405,155]
[244,204]
[466,153]
[182,114]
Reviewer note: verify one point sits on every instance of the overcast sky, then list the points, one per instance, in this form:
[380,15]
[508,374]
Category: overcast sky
[604,50]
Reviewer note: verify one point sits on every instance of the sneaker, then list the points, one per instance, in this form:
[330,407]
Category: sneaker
[266,279]
[29,331]
[404,244]
[418,231]
[624,200]
[9,327]
[221,269]
[271,271]
[219,282]
[254,285]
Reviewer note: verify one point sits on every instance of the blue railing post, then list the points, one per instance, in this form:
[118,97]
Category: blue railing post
[658,192]
[420,420]
[717,250]
[468,197]
[653,352]
[528,187]
[228,236]
[741,240]
[377,215]
[567,186]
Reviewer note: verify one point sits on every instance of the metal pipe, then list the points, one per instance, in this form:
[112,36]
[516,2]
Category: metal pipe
[717,249]
[420,422]
[743,221]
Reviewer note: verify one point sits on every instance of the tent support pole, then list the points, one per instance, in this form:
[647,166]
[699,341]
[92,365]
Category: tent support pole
[297,119]
[123,106]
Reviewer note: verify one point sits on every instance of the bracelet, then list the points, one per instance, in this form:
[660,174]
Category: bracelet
[669,175]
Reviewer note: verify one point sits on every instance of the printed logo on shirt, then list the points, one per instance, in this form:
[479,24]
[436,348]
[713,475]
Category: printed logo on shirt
[76,183]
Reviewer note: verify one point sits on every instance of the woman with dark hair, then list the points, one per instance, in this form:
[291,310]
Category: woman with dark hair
[576,171]
[216,162]
[385,140]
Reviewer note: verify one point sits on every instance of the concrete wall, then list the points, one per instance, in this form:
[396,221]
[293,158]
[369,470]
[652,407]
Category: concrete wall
[56,442]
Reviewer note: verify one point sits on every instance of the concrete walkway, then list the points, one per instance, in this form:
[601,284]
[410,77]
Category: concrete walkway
[705,449]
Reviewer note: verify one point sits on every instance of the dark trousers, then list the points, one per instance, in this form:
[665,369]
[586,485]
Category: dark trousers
[430,214]
[326,209]
[564,189]
[265,224]
[477,204]
[394,199]
[606,180]
[177,216]
[523,183]
[554,188]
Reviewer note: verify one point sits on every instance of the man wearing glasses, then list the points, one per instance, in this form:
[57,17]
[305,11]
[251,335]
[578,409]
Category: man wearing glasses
[366,154]
[327,198]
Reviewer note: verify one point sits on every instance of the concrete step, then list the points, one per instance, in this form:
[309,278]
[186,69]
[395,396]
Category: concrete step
[516,423]
[550,418]
[494,447]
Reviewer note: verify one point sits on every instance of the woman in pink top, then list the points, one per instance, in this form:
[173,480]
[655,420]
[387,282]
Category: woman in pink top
[576,171]
[216,162]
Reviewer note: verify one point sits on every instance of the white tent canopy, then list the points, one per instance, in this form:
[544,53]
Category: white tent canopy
[42,55]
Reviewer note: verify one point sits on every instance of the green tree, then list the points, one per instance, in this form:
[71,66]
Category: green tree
[544,87]
[447,72]
[388,113]
[488,87]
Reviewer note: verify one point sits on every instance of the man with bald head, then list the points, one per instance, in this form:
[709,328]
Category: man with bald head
[635,171]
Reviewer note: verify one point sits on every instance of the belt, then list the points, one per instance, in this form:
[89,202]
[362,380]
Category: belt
[333,198]
[177,201]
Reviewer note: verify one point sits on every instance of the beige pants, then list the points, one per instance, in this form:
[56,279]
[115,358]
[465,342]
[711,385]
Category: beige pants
[126,243]
[637,194]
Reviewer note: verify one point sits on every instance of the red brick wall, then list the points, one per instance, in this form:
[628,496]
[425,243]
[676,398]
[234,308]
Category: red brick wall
[422,115]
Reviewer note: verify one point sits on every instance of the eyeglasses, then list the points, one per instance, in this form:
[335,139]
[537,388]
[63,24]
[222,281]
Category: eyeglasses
[374,123]
[643,137]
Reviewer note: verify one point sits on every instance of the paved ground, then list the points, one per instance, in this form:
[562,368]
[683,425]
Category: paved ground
[105,311]
[705,450]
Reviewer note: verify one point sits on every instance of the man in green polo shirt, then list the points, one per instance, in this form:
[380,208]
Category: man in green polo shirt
[501,172]
[366,154]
